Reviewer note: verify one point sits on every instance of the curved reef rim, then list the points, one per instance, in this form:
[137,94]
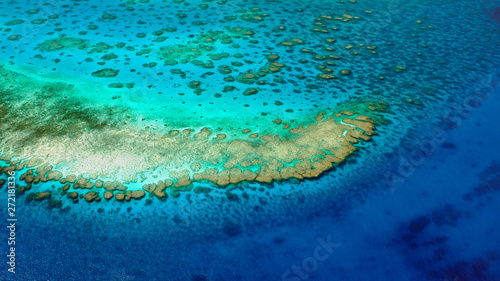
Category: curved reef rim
[59,139]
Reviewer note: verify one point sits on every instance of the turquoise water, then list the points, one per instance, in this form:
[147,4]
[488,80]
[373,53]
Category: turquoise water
[415,202]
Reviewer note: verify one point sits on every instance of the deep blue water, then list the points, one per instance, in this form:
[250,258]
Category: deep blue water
[442,223]
[419,202]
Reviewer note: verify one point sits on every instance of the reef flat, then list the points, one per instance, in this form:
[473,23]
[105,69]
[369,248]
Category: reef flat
[77,146]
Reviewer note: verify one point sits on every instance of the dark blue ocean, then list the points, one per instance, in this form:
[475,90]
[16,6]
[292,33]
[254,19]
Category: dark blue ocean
[442,223]
[419,201]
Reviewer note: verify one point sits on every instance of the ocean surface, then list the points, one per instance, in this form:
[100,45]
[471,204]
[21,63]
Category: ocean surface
[93,87]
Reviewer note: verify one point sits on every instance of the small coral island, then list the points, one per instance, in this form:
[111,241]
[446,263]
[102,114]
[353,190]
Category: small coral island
[90,160]
[310,151]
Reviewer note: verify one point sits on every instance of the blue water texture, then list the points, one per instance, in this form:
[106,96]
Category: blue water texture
[441,223]
[430,212]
